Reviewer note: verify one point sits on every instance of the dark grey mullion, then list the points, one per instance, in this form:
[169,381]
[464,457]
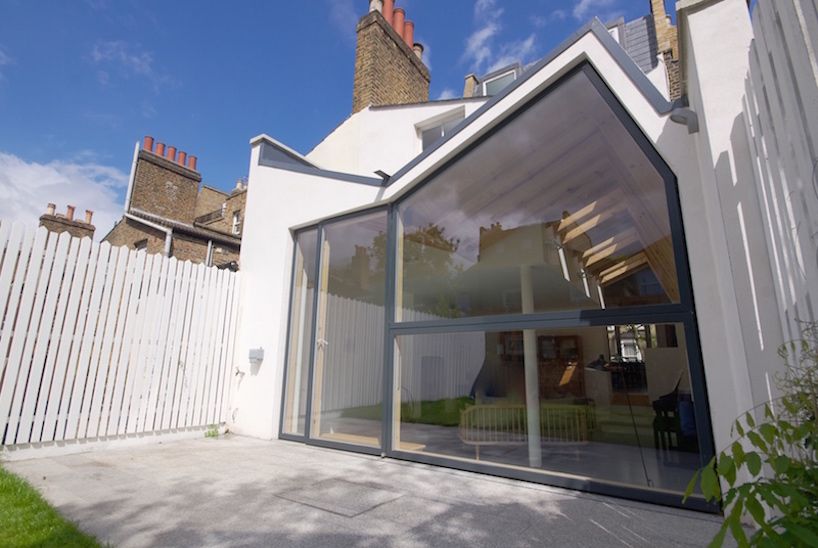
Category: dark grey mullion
[534,321]
[316,297]
[287,342]
[698,387]
[389,344]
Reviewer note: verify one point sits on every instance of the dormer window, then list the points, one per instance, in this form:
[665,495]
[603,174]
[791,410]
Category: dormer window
[432,135]
[498,83]
[439,127]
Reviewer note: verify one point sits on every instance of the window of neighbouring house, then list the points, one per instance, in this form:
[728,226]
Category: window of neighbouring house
[236,225]
[496,84]
[141,244]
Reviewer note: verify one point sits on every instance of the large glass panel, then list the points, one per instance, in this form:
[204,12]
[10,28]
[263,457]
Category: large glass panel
[609,403]
[559,209]
[301,307]
[348,362]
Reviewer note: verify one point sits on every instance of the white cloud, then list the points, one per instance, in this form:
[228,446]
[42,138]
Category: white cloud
[344,16]
[482,52]
[447,93]
[27,187]
[514,52]
[587,8]
[5,60]
[128,61]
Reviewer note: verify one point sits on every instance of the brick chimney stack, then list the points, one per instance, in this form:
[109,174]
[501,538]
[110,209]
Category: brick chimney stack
[667,41]
[389,68]
[65,222]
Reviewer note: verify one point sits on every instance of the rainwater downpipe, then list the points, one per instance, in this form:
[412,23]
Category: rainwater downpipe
[168,231]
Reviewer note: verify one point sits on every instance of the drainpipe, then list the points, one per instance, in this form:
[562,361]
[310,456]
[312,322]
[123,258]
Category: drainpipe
[131,178]
[168,231]
[209,260]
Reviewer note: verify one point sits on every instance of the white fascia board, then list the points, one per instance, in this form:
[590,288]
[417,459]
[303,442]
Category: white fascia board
[587,48]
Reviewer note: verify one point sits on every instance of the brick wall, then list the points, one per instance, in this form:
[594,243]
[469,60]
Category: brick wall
[59,224]
[208,200]
[127,233]
[235,202]
[165,188]
[674,76]
[387,71]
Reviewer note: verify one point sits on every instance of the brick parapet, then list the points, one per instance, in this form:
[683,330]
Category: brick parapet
[59,224]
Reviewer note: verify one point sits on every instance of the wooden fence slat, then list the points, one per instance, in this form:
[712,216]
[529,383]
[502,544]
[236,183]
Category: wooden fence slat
[170,399]
[85,337]
[16,375]
[213,355]
[140,343]
[112,303]
[50,292]
[65,370]
[143,364]
[5,234]
[228,358]
[195,319]
[122,342]
[11,277]
[158,345]
[201,361]
[103,341]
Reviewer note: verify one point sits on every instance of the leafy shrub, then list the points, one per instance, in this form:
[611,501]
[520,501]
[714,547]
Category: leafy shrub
[778,454]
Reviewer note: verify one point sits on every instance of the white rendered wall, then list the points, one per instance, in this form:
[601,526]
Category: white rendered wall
[382,138]
[276,201]
[716,41]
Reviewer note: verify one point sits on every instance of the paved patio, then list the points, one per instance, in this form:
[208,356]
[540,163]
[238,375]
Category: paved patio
[238,491]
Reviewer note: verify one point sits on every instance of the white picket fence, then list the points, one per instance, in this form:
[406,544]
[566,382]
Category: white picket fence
[781,122]
[104,342]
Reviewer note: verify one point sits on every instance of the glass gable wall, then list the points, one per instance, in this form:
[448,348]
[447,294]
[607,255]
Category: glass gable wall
[525,311]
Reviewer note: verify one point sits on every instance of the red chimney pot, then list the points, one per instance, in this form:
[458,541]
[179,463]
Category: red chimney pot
[147,143]
[389,10]
[409,33]
[171,154]
[69,213]
[160,149]
[399,21]
[181,158]
[191,162]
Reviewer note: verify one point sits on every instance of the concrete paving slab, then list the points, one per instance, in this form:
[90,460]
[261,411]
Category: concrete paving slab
[236,491]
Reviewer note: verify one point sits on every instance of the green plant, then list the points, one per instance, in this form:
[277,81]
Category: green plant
[778,454]
[212,431]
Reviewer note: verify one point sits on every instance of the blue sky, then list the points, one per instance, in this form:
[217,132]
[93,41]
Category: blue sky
[82,80]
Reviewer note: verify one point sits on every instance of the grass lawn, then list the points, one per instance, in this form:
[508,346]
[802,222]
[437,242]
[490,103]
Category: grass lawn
[439,412]
[27,520]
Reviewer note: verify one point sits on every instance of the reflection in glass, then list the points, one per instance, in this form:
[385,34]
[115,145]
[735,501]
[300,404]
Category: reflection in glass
[301,307]
[348,363]
[608,403]
[574,201]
